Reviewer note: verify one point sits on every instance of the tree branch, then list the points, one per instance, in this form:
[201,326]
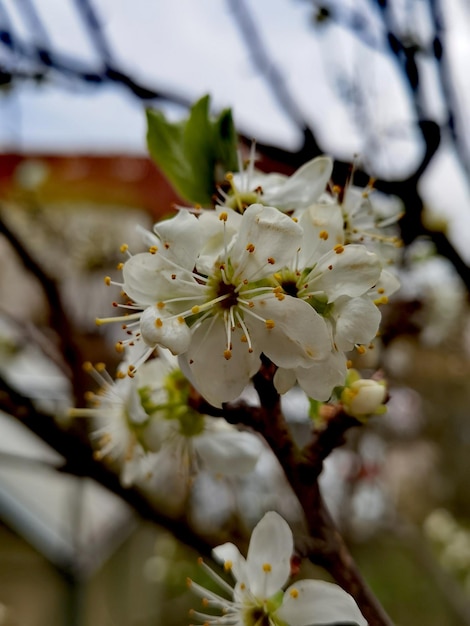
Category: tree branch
[79,461]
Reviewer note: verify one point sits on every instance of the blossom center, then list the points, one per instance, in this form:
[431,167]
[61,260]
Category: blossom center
[257,616]
[230,293]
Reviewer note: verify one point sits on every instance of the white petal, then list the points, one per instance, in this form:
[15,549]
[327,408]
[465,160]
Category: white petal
[272,234]
[180,238]
[217,235]
[229,554]
[284,379]
[387,284]
[157,329]
[322,226]
[134,409]
[140,277]
[304,186]
[311,602]
[357,321]
[319,380]
[350,272]
[229,452]
[216,378]
[298,336]
[269,554]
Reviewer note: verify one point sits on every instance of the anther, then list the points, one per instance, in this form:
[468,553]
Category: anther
[271,261]
[270,324]
[294,593]
[338,249]
[381,300]
[153,249]
[323,234]
[223,217]
[107,280]
[158,322]
[124,247]
[227,355]
[250,247]
[267,567]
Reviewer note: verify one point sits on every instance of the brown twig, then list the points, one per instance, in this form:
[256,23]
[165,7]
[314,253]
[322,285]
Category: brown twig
[59,320]
[325,545]
[79,461]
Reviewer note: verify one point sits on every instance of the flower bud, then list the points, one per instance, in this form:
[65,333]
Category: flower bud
[364,397]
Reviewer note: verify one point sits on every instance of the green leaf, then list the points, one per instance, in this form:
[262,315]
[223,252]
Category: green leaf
[193,154]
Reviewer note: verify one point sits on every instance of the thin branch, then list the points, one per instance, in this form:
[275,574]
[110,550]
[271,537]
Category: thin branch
[79,461]
[447,86]
[95,31]
[74,68]
[58,319]
[325,546]
[262,60]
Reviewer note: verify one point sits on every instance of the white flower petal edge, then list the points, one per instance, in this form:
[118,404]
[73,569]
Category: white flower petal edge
[269,554]
[311,602]
[228,451]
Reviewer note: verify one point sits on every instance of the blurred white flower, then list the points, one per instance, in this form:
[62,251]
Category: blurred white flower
[300,190]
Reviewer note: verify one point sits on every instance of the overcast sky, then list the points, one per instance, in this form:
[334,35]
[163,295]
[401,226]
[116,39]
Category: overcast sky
[192,48]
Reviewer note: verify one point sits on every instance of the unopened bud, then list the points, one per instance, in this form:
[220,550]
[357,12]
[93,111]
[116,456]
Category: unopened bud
[364,397]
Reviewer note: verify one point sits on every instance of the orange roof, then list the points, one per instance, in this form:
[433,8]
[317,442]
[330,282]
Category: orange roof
[122,179]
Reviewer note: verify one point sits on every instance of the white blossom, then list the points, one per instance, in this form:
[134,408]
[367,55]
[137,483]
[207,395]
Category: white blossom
[258,597]
[300,190]
[220,319]
[119,420]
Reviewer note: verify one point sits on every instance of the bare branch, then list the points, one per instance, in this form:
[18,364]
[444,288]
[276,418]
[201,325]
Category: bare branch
[80,462]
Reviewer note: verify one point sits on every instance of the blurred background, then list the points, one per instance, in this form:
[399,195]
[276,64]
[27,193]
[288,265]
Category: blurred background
[381,83]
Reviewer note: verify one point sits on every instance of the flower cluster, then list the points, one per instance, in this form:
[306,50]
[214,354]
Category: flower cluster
[258,598]
[286,270]
[138,419]
[274,270]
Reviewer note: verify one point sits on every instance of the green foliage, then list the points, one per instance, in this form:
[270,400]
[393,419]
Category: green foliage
[194,153]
